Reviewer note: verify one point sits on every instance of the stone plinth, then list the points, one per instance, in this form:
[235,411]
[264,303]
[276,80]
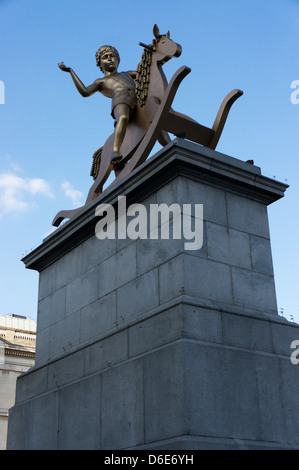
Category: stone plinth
[142,344]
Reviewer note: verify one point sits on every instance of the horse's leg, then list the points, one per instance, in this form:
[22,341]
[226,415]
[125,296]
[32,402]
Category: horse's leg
[96,188]
[177,122]
[164,138]
[222,116]
[182,115]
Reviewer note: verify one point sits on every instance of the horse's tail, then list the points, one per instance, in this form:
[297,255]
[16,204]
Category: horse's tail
[96,163]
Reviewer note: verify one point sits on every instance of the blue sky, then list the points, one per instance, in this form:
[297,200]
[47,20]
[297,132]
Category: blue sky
[48,132]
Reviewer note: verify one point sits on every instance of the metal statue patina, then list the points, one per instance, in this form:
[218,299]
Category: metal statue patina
[120,87]
[141,108]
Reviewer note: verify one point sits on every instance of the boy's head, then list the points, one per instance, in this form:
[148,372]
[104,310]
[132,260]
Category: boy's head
[104,50]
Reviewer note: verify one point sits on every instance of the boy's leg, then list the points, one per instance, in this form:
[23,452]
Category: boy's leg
[122,116]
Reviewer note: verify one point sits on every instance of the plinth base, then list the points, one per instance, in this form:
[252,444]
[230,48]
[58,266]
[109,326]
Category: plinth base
[142,344]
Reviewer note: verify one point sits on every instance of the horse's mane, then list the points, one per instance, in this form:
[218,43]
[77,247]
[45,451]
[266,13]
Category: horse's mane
[143,75]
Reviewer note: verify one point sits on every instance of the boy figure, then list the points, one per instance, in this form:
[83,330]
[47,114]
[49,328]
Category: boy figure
[118,86]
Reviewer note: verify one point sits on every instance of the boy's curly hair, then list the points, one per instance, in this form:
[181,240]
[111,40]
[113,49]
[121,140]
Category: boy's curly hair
[102,51]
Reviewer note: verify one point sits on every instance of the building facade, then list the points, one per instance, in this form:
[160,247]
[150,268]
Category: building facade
[17,355]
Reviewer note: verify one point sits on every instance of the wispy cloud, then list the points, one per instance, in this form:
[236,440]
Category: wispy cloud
[16,192]
[70,192]
[13,166]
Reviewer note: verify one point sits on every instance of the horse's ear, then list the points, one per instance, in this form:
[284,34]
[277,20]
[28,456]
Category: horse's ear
[156,31]
[168,34]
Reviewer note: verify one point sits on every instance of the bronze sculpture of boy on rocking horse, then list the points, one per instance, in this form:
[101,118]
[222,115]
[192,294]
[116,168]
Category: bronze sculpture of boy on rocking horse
[118,86]
[141,107]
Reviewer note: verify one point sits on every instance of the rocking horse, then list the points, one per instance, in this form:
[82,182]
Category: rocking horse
[152,119]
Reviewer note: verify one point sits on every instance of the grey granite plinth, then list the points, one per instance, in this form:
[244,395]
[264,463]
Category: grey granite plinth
[142,344]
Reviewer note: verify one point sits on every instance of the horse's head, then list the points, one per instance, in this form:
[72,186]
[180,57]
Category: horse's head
[164,47]
[150,78]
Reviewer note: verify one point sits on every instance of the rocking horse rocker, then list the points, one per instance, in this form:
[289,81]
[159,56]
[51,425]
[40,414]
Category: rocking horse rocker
[141,107]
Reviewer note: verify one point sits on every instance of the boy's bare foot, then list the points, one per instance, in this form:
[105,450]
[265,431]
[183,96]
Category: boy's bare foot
[115,157]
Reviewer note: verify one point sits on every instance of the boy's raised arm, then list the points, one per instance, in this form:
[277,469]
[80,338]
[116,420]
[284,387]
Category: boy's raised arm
[83,90]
